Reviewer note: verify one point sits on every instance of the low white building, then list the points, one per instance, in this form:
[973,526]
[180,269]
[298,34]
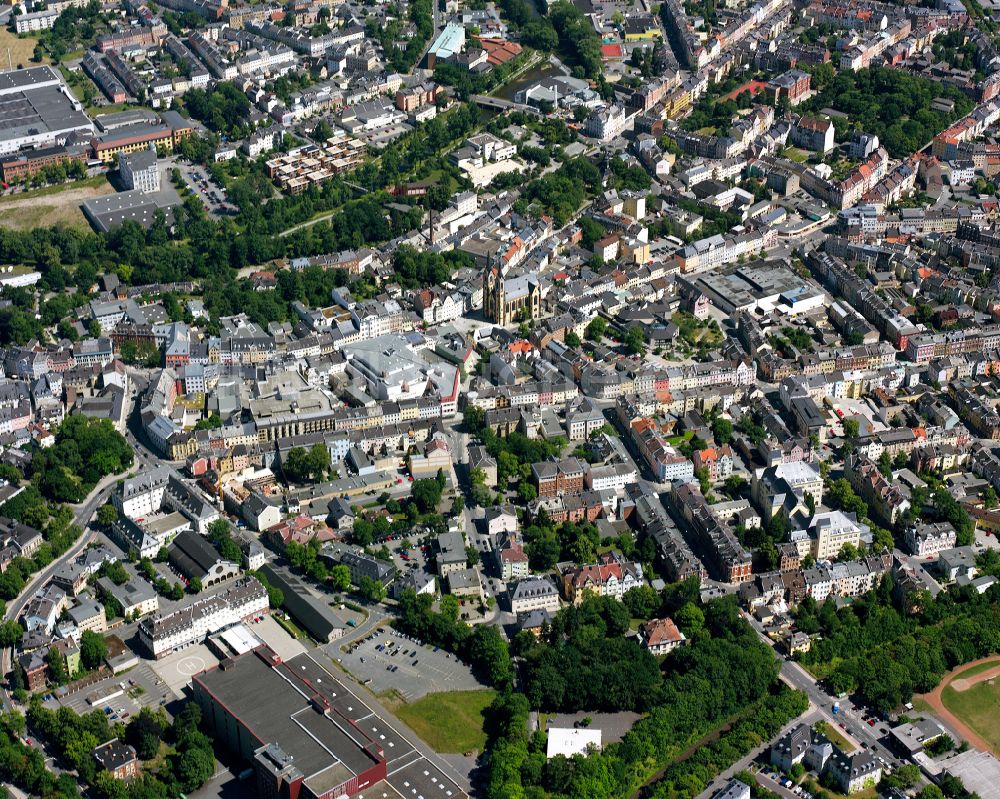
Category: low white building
[572,741]
[612,477]
[605,123]
[925,539]
[37,21]
[661,636]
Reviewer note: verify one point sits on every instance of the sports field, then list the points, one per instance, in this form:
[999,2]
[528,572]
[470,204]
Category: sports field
[968,699]
[978,706]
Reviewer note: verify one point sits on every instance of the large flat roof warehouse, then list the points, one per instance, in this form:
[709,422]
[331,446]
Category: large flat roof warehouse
[36,107]
[298,722]
[978,771]
[105,213]
[449,41]
[31,78]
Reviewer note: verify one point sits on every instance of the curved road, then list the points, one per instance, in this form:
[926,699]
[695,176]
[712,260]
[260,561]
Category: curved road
[82,516]
[83,513]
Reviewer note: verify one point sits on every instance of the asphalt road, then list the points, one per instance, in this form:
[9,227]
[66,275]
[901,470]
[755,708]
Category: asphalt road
[852,717]
[83,514]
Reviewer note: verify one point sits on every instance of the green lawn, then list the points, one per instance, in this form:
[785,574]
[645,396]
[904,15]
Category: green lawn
[834,735]
[921,705]
[291,628]
[96,182]
[450,722]
[972,671]
[978,707]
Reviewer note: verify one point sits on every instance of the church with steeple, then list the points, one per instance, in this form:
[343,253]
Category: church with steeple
[506,297]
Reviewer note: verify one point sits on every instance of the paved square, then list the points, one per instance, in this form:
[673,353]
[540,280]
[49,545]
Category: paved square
[276,637]
[177,669]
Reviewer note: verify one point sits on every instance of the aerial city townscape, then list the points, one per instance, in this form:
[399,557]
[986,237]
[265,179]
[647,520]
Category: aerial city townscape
[515,399]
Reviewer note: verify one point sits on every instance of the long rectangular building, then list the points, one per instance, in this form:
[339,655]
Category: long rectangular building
[37,109]
[244,599]
[307,734]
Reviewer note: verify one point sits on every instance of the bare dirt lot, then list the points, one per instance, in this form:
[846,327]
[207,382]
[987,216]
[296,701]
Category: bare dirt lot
[52,205]
[21,50]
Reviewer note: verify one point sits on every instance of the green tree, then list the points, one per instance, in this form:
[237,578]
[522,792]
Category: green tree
[722,429]
[526,492]
[989,497]
[109,787]
[851,431]
[145,731]
[57,666]
[689,618]
[634,340]
[362,532]
[426,494]
[370,589]
[322,131]
[93,649]
[596,329]
[488,652]
[107,515]
[194,767]
[340,577]
[11,633]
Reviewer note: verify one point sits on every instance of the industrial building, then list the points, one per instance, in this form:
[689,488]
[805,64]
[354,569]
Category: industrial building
[306,734]
[37,109]
[313,615]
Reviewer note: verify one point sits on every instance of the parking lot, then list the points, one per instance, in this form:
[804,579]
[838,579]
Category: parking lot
[403,665]
[120,696]
[412,559]
[211,193]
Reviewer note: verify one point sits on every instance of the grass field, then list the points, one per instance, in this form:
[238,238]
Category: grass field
[834,735]
[922,705]
[978,707]
[52,205]
[450,722]
[21,50]
[972,671]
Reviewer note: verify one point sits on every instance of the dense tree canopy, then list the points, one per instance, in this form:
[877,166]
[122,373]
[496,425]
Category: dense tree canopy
[887,655]
[85,451]
[892,104]
[724,672]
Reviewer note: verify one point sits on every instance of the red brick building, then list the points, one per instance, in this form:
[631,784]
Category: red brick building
[118,759]
[553,478]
